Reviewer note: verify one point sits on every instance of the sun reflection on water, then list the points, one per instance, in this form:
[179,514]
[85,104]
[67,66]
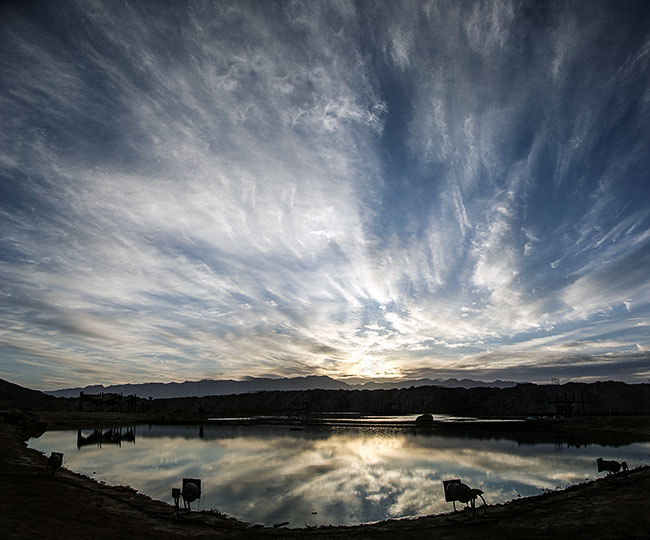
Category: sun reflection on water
[268,475]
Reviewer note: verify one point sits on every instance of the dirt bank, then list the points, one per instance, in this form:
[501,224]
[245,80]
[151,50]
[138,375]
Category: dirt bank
[67,505]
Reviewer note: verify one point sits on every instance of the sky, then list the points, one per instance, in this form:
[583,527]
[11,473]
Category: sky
[370,189]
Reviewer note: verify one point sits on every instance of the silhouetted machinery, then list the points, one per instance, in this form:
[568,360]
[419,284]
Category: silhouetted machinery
[54,462]
[176,495]
[109,401]
[455,490]
[191,491]
[611,466]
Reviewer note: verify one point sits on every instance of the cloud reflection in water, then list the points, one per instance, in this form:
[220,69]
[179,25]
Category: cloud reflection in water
[346,475]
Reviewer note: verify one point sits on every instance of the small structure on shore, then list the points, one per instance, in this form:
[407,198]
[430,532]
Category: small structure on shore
[108,401]
[191,491]
[455,490]
[611,466]
[176,495]
[54,462]
[568,407]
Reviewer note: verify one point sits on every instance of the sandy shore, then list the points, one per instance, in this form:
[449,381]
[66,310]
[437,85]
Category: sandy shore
[68,505]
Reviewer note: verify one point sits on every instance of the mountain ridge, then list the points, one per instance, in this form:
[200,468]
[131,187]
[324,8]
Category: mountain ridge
[217,387]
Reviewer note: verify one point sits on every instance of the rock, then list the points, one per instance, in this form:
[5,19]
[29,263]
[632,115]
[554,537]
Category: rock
[424,419]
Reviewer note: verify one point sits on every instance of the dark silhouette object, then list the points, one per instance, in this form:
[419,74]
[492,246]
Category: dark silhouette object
[54,462]
[302,411]
[611,466]
[455,490]
[424,420]
[109,401]
[191,491]
[567,408]
[176,495]
[100,437]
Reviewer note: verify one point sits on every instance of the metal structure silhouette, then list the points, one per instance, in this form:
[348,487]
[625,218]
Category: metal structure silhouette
[611,466]
[54,462]
[455,490]
[191,491]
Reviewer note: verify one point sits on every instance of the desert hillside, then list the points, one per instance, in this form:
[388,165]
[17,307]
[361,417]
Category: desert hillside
[602,398]
[606,398]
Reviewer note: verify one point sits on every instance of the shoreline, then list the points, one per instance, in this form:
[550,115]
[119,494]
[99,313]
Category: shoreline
[637,427]
[601,507]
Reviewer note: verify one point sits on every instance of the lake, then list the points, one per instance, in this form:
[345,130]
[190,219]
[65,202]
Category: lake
[330,475]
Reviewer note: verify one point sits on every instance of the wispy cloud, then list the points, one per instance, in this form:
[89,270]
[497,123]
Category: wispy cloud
[231,189]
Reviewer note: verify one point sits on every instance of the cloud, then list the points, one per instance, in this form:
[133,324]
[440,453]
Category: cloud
[346,477]
[339,189]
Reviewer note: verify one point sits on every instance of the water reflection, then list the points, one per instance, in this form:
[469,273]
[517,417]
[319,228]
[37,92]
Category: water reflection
[267,474]
[100,437]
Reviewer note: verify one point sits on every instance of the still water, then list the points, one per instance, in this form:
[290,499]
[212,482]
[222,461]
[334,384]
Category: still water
[340,475]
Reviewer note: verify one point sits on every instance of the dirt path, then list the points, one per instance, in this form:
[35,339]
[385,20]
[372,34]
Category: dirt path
[34,505]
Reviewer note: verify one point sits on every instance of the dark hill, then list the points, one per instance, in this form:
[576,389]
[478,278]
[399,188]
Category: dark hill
[15,396]
[601,398]
[208,387]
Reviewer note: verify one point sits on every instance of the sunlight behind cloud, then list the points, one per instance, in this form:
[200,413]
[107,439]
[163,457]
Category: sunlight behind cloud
[218,190]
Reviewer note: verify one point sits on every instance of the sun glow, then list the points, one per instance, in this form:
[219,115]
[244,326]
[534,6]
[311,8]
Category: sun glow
[261,211]
[373,368]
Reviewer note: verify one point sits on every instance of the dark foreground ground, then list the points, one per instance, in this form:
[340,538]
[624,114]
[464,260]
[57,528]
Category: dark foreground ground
[35,505]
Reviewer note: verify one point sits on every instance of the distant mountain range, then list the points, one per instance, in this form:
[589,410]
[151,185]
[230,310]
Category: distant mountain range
[222,387]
